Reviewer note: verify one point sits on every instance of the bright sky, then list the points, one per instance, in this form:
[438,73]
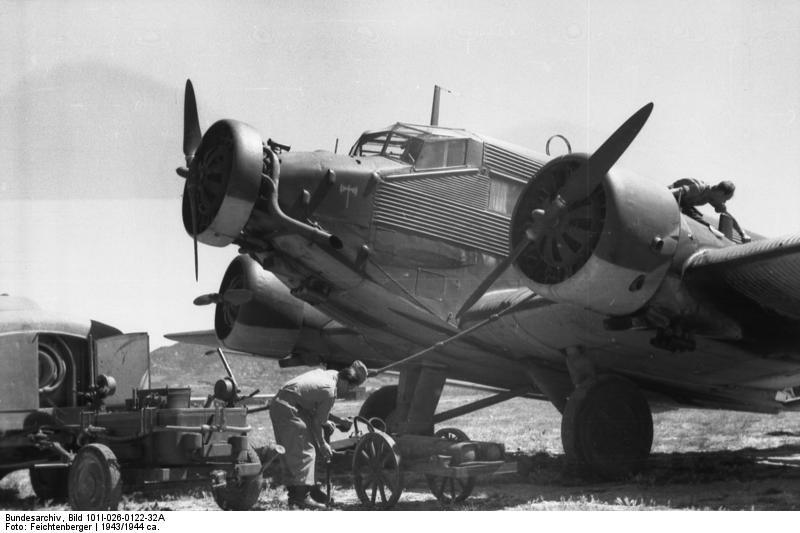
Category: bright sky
[91,108]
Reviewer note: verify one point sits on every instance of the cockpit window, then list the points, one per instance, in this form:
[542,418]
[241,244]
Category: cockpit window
[421,148]
[391,144]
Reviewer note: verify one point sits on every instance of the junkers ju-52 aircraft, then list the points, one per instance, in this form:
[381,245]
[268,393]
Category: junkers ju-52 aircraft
[448,255]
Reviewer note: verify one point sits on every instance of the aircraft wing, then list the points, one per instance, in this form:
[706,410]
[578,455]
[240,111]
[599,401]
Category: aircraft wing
[766,272]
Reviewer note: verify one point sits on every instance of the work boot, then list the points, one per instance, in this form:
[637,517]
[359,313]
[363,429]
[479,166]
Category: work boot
[299,498]
[319,495]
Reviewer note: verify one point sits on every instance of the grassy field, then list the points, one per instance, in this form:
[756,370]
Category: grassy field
[701,459]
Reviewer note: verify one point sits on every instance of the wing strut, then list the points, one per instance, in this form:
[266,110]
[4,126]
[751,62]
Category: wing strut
[470,330]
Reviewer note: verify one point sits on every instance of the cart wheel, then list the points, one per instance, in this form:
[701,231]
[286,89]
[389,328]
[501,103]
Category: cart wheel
[94,482]
[49,483]
[450,490]
[242,494]
[376,471]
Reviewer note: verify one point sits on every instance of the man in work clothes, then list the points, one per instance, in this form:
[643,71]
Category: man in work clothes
[298,412]
[691,193]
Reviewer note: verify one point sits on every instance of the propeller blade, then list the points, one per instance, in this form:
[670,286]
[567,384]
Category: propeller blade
[493,275]
[207,299]
[237,296]
[191,124]
[601,161]
[231,296]
[193,208]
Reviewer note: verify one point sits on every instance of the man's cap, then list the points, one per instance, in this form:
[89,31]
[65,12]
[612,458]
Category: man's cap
[361,371]
[726,186]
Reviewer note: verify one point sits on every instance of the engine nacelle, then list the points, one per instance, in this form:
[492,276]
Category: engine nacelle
[225,181]
[272,322]
[608,252]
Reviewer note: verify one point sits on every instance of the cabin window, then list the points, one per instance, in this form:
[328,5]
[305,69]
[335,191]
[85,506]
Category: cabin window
[442,153]
[503,195]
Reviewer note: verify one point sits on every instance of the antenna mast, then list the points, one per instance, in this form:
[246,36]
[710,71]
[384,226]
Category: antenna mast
[435,107]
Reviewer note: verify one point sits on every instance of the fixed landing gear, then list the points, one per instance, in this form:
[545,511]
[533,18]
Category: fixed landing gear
[607,427]
[381,404]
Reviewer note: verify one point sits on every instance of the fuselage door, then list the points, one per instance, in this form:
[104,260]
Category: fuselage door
[126,358]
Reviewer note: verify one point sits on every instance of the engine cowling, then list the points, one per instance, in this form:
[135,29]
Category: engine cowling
[608,252]
[225,179]
[272,322]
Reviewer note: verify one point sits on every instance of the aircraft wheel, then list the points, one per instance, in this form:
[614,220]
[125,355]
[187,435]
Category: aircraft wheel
[376,471]
[607,427]
[49,483]
[380,404]
[242,494]
[95,483]
[449,490]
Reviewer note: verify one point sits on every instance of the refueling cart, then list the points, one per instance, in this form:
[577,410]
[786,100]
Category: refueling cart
[89,451]
[448,460]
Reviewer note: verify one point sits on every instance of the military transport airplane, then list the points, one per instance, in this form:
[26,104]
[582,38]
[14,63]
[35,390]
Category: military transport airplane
[449,255]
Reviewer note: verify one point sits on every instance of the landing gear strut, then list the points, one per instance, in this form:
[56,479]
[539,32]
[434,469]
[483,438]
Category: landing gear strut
[607,427]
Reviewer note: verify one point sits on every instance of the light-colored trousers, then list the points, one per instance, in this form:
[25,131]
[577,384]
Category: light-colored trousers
[292,433]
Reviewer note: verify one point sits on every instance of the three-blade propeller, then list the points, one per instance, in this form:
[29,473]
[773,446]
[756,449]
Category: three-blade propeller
[191,141]
[577,187]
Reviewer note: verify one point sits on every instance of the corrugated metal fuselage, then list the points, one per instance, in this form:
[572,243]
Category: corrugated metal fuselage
[418,242]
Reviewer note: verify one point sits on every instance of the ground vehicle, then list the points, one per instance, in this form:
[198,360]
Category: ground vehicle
[79,412]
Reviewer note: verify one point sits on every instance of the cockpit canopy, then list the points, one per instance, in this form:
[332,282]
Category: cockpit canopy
[424,147]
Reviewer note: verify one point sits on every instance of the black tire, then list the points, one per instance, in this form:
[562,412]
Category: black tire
[380,404]
[49,483]
[243,494]
[607,427]
[383,404]
[95,483]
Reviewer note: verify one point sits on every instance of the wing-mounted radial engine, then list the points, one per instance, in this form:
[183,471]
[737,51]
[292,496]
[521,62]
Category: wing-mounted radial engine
[589,237]
[608,249]
[256,313]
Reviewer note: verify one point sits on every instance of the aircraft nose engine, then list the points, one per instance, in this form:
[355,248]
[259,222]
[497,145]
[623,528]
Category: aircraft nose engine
[270,321]
[597,239]
[223,183]
[230,177]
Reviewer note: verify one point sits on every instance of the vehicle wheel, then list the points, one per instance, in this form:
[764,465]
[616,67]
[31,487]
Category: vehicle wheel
[376,471]
[607,427]
[243,494]
[95,483]
[449,490]
[49,483]
[380,404]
